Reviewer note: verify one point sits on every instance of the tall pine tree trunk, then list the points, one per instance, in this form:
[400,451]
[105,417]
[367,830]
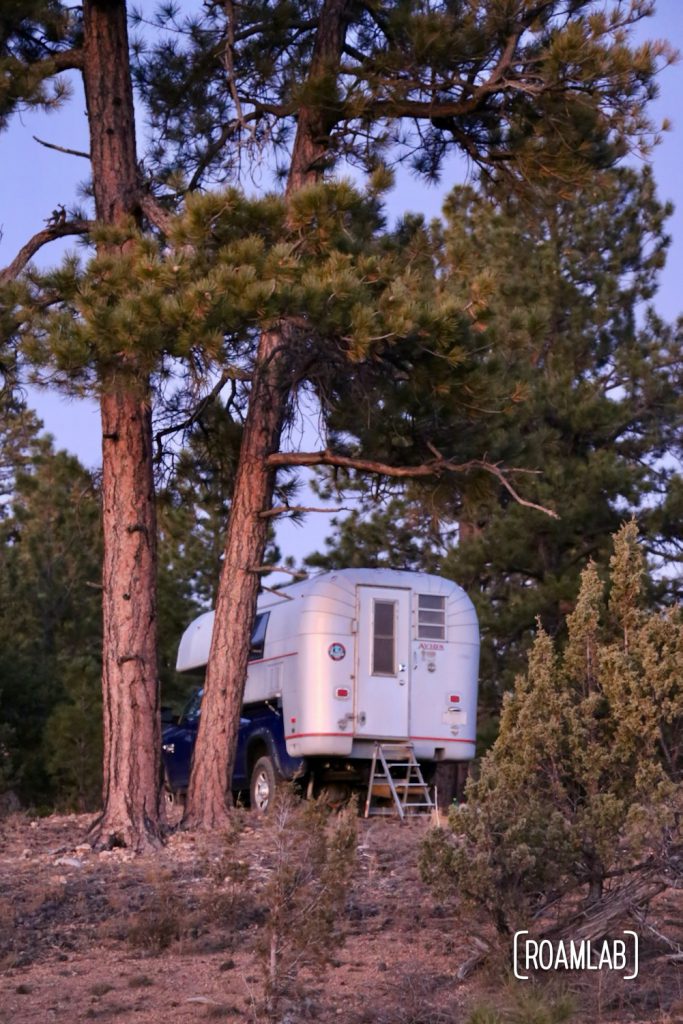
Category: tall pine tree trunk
[208,798]
[130,814]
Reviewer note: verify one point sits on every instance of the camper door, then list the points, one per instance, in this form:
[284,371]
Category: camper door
[383,671]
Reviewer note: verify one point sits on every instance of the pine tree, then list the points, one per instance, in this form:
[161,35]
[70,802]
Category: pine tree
[583,784]
[478,92]
[38,41]
[580,390]
[582,113]
[50,629]
[226,86]
[50,622]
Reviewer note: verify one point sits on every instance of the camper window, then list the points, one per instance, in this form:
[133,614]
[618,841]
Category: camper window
[258,637]
[431,617]
[384,639]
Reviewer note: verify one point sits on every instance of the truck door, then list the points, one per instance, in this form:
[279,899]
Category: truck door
[383,669]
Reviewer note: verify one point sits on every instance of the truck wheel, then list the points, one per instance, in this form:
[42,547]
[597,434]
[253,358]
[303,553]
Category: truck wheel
[263,785]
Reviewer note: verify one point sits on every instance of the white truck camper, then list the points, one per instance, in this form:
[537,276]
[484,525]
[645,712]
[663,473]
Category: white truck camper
[356,656]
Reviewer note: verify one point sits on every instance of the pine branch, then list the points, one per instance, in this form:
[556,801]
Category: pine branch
[156,214]
[298,574]
[189,421]
[228,59]
[62,149]
[55,229]
[434,467]
[280,510]
[65,60]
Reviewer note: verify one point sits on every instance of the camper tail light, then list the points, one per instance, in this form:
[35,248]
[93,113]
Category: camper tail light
[454,698]
[342,693]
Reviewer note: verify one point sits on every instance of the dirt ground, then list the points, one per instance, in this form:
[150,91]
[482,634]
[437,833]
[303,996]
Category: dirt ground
[175,936]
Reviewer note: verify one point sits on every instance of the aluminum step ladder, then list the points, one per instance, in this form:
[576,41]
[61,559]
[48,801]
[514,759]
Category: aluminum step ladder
[396,775]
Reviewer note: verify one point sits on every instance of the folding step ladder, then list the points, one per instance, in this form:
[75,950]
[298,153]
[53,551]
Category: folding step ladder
[396,775]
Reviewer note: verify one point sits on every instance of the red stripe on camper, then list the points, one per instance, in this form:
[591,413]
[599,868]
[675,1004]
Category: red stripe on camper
[355,736]
[304,735]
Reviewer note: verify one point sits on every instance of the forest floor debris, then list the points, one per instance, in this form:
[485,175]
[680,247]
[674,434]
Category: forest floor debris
[112,937]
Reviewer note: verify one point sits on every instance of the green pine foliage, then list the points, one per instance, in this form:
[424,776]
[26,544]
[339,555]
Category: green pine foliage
[599,408]
[493,81]
[34,37]
[360,301]
[72,738]
[584,783]
[49,601]
[563,374]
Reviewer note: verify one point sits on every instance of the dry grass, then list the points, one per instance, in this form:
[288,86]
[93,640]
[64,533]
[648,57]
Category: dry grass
[181,936]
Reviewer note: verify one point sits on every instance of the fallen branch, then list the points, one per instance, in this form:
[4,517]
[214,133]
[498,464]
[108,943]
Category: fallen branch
[434,467]
[595,921]
[482,951]
[670,944]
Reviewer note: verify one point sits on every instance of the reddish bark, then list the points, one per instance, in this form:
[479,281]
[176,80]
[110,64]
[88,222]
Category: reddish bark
[129,671]
[111,115]
[311,153]
[208,798]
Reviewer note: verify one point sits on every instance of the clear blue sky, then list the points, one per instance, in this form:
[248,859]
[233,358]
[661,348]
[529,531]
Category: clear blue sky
[34,180]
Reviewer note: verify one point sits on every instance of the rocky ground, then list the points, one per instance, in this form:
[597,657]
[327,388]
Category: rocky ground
[178,936]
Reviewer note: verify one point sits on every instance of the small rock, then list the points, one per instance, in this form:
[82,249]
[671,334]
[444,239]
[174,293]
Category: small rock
[69,862]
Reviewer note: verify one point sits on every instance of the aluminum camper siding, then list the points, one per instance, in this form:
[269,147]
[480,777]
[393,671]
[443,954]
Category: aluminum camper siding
[318,721]
[316,661]
[442,685]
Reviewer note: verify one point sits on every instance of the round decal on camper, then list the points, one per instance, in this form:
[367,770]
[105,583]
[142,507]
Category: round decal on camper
[336,651]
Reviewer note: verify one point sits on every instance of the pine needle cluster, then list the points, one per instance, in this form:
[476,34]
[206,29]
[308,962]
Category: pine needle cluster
[348,290]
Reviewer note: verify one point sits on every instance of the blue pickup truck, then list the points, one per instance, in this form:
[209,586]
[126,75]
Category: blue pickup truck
[261,760]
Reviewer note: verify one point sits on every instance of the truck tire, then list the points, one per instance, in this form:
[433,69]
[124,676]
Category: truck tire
[264,780]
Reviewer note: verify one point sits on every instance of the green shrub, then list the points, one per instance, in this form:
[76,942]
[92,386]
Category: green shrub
[584,781]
